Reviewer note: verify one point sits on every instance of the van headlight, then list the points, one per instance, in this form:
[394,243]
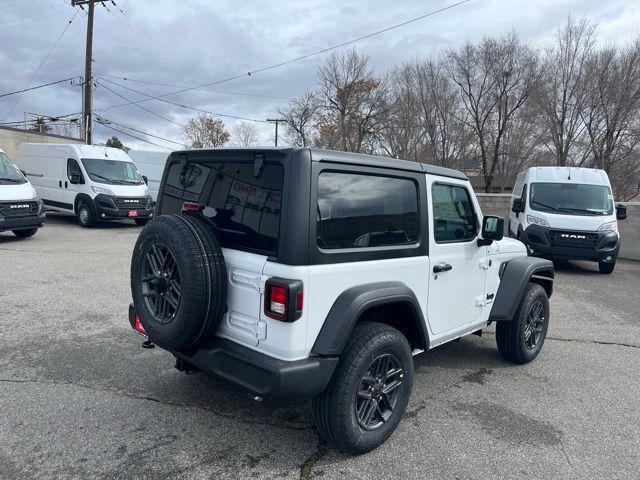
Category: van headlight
[531,220]
[104,191]
[609,227]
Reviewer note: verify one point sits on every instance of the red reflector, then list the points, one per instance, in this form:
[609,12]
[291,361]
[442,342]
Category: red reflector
[138,326]
[299,301]
[191,206]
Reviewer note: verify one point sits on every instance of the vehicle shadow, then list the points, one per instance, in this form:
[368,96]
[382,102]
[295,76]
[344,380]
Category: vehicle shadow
[576,267]
[64,219]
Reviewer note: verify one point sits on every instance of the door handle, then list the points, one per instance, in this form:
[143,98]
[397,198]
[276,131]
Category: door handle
[66,185]
[60,184]
[441,267]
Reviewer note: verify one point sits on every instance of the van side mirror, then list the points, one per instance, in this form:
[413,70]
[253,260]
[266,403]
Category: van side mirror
[145,179]
[492,229]
[518,206]
[75,178]
[621,211]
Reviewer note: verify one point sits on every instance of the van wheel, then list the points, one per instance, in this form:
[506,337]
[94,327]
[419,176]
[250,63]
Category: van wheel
[606,267]
[25,233]
[85,215]
[521,339]
[141,221]
[368,394]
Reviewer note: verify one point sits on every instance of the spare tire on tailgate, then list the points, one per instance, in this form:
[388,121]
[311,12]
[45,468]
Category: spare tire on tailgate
[178,281]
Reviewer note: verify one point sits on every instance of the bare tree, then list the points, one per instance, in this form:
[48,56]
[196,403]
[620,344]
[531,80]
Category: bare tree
[300,116]
[203,131]
[495,79]
[245,134]
[353,101]
[562,94]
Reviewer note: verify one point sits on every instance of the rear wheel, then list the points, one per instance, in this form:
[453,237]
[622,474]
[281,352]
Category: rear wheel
[366,399]
[521,339]
[25,233]
[606,267]
[85,215]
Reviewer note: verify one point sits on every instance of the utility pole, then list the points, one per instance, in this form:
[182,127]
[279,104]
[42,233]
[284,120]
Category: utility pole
[87,104]
[276,121]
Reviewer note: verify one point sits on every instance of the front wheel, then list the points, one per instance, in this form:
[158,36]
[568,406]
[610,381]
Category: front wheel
[366,399]
[606,267]
[86,218]
[521,339]
[25,233]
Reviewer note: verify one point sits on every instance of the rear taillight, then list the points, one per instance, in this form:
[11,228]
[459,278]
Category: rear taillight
[138,326]
[190,207]
[283,299]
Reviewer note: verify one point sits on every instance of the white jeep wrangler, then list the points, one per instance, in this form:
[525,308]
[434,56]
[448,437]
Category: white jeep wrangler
[319,273]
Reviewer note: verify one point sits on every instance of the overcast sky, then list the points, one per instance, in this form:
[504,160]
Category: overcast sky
[192,42]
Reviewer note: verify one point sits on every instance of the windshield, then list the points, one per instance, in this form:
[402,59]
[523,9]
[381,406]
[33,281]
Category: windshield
[114,172]
[9,173]
[571,198]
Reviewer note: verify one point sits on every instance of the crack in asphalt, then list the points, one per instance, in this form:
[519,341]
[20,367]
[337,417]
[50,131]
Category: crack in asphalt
[309,463]
[123,394]
[577,340]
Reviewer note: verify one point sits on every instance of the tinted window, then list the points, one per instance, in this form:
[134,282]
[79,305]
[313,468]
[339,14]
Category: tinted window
[453,215]
[245,209]
[356,211]
[73,168]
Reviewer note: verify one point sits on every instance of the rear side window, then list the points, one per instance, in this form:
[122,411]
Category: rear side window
[244,208]
[453,215]
[356,211]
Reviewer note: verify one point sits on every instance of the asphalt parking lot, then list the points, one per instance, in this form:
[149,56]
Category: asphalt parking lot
[79,398]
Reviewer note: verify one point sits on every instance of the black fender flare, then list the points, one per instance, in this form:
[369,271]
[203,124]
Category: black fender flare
[354,302]
[515,275]
[81,197]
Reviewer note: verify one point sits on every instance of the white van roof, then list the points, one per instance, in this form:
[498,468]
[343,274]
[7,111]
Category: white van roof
[71,150]
[589,176]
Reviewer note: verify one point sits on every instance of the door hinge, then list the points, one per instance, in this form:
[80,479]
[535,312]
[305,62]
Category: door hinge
[485,263]
[484,300]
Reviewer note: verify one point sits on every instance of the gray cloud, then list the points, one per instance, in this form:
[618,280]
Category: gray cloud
[197,41]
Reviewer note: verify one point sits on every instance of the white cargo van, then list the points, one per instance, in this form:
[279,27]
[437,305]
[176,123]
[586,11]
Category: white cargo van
[21,211]
[151,164]
[94,183]
[566,213]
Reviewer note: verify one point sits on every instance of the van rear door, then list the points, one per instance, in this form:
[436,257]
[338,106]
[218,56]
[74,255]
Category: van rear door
[241,196]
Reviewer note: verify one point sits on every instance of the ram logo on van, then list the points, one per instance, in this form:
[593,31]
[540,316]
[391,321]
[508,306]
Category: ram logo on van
[572,235]
[24,205]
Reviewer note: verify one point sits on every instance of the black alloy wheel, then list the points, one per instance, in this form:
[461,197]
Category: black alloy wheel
[160,279]
[534,325]
[377,394]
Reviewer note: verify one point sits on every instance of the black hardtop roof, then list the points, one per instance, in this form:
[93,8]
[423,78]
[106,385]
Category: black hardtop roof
[322,155]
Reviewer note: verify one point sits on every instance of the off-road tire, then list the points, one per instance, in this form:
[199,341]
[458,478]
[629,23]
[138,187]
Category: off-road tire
[202,278]
[511,336]
[141,222]
[334,410]
[606,267]
[86,217]
[25,233]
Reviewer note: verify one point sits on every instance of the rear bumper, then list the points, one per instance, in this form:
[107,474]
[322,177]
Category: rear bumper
[539,240]
[22,223]
[106,209]
[257,372]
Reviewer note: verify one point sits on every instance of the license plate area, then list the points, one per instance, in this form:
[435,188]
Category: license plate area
[132,213]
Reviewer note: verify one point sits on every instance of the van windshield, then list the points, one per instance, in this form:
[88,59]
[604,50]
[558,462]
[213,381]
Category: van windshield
[9,173]
[113,172]
[571,198]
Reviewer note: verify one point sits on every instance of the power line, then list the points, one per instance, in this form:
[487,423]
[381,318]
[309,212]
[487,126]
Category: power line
[159,98]
[162,84]
[106,121]
[139,106]
[31,18]
[39,86]
[308,55]
[35,74]
[136,137]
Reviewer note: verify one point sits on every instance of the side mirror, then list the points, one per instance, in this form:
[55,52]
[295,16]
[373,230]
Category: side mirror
[492,229]
[75,178]
[146,180]
[621,211]
[518,206]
